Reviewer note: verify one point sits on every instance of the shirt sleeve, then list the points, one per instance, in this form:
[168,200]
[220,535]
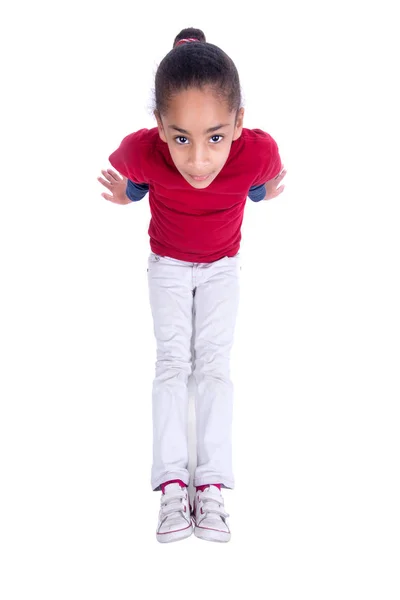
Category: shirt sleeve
[130,157]
[136,191]
[270,161]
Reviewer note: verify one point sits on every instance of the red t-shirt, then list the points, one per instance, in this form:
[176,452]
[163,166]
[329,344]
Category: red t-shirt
[196,225]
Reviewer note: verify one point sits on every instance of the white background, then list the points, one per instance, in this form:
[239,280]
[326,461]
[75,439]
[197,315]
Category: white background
[315,511]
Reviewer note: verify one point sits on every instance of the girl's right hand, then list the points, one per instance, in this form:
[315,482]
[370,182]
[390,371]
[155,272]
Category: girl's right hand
[116,184]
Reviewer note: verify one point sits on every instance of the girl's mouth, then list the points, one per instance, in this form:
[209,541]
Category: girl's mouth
[200,178]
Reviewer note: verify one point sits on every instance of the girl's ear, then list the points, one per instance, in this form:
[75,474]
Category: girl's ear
[160,126]
[239,124]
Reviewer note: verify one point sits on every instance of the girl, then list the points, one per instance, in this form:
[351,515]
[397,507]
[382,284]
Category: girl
[199,165]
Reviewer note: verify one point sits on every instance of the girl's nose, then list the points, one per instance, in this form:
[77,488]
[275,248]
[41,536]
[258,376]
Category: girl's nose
[199,158]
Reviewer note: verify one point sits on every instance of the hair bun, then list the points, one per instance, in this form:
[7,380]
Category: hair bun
[189,35]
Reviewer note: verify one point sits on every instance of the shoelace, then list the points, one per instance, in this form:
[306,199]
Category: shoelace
[212,504]
[172,502]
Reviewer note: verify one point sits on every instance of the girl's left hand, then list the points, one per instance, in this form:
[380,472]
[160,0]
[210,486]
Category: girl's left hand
[272,189]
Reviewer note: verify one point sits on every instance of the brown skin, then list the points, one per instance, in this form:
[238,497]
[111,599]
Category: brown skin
[271,187]
[116,184]
[197,152]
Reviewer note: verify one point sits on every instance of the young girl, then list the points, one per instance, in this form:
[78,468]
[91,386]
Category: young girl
[199,166]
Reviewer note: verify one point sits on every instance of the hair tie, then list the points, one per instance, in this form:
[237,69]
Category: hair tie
[185,40]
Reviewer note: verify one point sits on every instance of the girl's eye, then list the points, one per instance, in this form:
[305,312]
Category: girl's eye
[181,140]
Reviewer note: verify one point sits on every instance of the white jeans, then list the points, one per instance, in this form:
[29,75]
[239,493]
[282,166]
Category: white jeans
[193,302]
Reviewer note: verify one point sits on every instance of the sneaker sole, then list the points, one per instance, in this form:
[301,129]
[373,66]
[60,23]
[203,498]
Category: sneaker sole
[174,536]
[211,535]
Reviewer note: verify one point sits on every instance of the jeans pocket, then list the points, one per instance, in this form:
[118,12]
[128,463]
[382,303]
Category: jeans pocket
[153,260]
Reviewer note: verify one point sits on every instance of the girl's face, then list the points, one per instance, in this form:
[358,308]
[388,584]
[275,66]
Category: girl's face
[199,131]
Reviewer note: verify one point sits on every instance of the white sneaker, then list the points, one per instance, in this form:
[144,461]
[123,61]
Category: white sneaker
[174,521]
[210,516]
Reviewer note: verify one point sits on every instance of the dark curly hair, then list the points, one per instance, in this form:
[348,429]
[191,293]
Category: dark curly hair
[196,64]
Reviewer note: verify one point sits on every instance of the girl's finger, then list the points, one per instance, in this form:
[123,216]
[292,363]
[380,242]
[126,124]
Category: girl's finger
[113,174]
[107,175]
[107,196]
[110,176]
[105,183]
[277,192]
